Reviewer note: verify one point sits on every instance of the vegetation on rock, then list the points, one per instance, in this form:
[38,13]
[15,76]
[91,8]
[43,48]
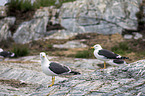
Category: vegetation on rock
[20,50]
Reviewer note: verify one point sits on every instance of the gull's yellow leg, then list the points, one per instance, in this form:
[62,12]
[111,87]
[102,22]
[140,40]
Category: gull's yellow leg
[104,65]
[53,80]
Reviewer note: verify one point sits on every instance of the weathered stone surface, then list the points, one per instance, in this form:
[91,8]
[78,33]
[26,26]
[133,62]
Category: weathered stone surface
[37,27]
[80,16]
[137,35]
[62,34]
[99,16]
[71,44]
[49,12]
[5,24]
[125,80]
[31,30]
[128,36]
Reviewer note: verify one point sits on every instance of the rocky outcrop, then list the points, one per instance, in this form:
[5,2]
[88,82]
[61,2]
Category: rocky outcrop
[99,16]
[37,27]
[25,77]
[80,16]
[30,30]
[33,29]
[71,44]
[5,24]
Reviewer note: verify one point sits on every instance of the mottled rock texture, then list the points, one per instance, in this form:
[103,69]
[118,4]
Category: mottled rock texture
[80,16]
[5,25]
[98,16]
[24,77]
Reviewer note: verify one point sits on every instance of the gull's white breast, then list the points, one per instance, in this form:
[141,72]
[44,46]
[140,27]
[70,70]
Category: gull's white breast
[47,71]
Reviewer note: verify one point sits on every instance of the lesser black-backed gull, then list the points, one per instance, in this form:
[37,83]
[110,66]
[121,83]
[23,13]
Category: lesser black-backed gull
[6,54]
[105,55]
[53,69]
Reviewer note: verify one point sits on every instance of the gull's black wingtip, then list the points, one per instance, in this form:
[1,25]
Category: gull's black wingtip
[124,57]
[75,73]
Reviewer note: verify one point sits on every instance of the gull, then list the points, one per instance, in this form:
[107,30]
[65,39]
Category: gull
[105,55]
[53,69]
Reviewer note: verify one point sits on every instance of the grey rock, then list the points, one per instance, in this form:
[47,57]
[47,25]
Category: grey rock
[10,20]
[137,35]
[49,12]
[31,30]
[124,80]
[5,24]
[128,36]
[99,16]
[62,34]
[40,13]
[71,44]
[36,28]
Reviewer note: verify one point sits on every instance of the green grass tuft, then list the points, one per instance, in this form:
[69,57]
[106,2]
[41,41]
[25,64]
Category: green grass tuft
[20,50]
[21,5]
[84,54]
[121,49]
[26,5]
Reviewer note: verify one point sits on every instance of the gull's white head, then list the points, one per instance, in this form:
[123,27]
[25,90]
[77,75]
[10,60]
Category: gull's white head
[44,60]
[97,47]
[42,55]
[1,50]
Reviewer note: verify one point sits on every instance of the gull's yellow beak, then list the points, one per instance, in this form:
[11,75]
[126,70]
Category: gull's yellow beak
[43,56]
[92,47]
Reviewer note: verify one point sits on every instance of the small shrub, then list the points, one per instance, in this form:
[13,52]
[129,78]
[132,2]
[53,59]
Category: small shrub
[84,54]
[20,50]
[21,5]
[122,48]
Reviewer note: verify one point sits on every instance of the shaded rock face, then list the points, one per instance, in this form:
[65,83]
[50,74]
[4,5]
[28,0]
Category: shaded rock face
[31,30]
[99,16]
[5,24]
[37,27]
[26,78]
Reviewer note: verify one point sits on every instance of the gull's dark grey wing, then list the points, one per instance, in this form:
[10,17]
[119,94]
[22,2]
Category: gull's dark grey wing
[58,68]
[108,54]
